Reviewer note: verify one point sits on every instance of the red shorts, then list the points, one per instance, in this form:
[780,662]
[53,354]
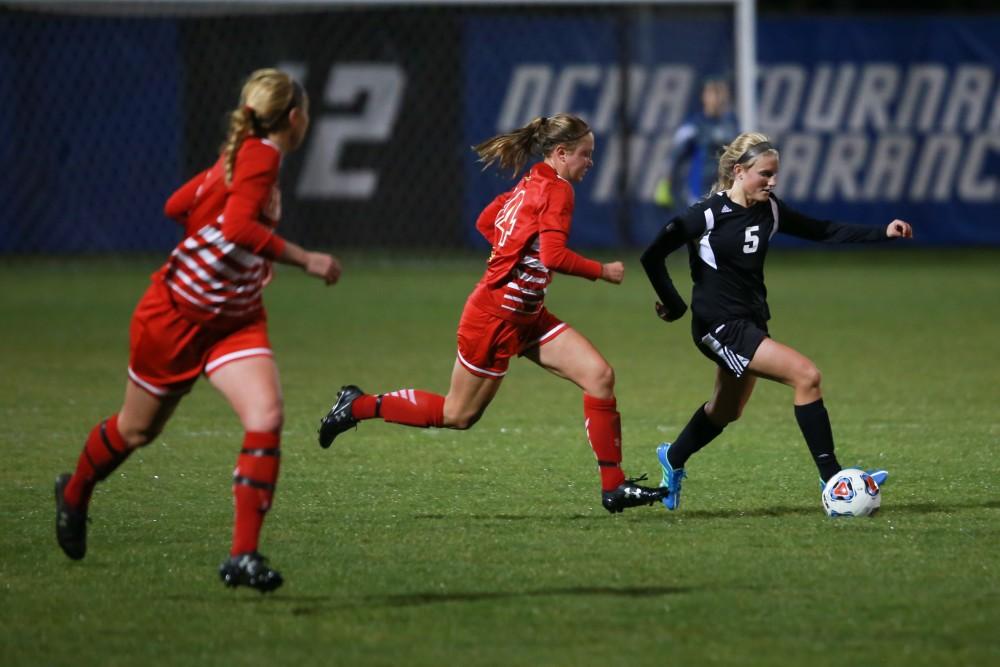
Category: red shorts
[486,342]
[168,352]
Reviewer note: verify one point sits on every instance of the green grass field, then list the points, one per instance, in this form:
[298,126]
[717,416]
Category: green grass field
[490,547]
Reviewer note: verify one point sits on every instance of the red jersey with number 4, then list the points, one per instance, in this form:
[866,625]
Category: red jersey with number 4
[528,227]
[217,272]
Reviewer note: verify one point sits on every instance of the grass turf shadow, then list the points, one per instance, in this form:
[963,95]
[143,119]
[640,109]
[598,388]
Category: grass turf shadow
[313,605]
[759,512]
[428,598]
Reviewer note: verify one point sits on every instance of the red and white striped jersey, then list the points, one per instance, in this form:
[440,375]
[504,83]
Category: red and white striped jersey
[217,272]
[528,227]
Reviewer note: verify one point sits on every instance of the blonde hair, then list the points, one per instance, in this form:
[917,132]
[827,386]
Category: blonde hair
[539,137]
[267,97]
[745,149]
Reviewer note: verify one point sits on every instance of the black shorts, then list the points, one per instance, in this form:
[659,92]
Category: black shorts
[730,344]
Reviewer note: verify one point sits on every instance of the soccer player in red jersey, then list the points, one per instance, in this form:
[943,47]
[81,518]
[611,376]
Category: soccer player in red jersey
[505,315]
[203,313]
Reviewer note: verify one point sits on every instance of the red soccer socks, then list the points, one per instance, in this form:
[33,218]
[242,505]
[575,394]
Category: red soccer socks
[411,407]
[254,482]
[604,431]
[104,451]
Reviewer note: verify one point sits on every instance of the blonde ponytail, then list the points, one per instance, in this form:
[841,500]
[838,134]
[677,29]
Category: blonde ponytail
[539,137]
[240,126]
[267,97]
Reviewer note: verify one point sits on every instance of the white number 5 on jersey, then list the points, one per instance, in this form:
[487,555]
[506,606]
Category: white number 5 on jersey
[750,234]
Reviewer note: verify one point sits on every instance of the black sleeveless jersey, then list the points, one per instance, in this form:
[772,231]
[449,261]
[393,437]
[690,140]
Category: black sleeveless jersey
[727,245]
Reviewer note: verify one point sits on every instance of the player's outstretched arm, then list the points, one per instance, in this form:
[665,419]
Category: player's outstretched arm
[319,264]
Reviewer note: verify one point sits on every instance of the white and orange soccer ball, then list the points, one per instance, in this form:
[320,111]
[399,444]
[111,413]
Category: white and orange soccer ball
[851,492]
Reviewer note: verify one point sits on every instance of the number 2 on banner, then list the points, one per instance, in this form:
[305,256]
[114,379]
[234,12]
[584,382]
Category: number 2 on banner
[507,218]
[374,93]
[750,247]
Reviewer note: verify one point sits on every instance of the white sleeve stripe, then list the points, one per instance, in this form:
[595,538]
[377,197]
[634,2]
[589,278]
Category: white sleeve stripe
[705,251]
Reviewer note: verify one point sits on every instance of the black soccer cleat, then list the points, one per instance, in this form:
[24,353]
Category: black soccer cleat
[71,524]
[339,418]
[629,494]
[249,569]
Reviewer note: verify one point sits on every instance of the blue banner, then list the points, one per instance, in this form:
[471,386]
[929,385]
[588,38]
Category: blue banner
[875,118]
[93,130]
[520,68]
[887,118]
[105,117]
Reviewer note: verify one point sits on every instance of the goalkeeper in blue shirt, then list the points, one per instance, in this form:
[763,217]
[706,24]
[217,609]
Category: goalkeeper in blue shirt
[696,146]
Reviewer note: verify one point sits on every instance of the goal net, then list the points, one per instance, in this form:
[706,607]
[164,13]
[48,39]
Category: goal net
[112,105]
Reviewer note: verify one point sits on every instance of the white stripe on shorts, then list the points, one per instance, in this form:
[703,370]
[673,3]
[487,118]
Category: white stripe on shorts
[736,363]
[240,354]
[547,335]
[477,369]
[151,388]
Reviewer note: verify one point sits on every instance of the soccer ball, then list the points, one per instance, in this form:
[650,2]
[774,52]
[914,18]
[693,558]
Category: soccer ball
[851,492]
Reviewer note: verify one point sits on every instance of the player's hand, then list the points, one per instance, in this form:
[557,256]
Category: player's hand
[899,229]
[323,266]
[669,315]
[268,274]
[613,272]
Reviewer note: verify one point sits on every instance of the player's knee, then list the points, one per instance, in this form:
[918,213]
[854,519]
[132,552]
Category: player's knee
[267,419]
[808,377]
[601,382]
[722,415]
[465,423]
[461,420]
[138,436]
[460,415]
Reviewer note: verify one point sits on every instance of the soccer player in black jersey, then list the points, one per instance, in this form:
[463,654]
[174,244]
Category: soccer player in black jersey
[728,235]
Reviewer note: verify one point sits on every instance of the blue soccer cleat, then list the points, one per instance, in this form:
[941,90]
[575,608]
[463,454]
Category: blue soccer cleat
[671,478]
[880,477]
